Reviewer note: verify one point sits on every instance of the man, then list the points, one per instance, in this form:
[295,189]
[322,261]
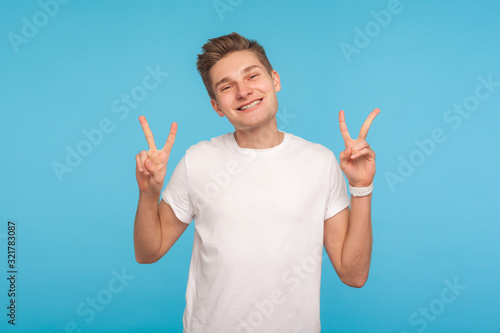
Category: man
[264,201]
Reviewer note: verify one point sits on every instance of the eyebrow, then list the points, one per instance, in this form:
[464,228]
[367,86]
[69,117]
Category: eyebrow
[244,71]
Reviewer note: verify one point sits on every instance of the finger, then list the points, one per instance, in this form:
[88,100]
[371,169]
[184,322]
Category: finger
[143,155]
[147,133]
[343,127]
[363,152]
[138,163]
[154,170]
[360,145]
[344,157]
[366,126]
[170,139]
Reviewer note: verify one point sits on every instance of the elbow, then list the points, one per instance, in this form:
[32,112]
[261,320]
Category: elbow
[145,260]
[145,255]
[356,281]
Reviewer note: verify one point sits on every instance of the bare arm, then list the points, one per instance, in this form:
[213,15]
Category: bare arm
[156,227]
[348,241]
[348,235]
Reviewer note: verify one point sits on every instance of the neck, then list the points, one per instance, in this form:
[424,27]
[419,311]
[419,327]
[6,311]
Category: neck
[260,138]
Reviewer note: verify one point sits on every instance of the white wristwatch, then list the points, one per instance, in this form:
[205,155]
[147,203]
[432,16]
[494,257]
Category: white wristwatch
[360,191]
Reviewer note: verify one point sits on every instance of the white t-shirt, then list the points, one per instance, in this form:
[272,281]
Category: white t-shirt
[258,243]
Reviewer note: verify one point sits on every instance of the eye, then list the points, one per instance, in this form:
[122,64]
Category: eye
[225,88]
[254,76]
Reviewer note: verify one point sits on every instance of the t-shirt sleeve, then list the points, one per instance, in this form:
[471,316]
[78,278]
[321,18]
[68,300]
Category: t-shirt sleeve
[176,194]
[337,197]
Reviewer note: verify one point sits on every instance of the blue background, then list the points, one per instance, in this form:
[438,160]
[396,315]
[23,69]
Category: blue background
[434,225]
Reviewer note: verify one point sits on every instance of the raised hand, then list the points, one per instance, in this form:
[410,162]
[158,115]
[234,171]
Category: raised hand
[357,161]
[151,165]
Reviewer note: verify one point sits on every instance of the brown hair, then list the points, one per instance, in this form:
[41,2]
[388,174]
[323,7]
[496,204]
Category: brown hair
[217,48]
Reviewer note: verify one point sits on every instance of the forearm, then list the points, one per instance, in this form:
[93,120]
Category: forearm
[147,229]
[357,247]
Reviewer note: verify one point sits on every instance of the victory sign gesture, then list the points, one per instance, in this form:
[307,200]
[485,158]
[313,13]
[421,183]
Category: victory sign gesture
[151,166]
[357,161]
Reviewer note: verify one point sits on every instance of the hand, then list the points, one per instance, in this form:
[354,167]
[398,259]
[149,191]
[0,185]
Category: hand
[151,166]
[357,161]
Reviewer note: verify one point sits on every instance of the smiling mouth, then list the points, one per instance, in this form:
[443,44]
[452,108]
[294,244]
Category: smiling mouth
[251,105]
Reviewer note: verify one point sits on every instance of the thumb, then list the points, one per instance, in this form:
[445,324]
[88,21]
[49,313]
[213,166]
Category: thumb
[149,165]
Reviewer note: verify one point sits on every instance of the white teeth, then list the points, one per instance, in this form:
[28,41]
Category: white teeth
[251,105]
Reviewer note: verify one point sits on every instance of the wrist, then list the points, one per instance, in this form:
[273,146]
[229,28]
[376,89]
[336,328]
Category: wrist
[360,191]
[151,195]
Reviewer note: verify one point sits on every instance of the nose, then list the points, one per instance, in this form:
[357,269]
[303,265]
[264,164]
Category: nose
[243,91]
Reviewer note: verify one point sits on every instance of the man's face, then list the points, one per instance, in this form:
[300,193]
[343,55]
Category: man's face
[245,92]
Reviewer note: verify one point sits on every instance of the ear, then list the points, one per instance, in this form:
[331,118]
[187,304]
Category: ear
[216,107]
[276,80]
